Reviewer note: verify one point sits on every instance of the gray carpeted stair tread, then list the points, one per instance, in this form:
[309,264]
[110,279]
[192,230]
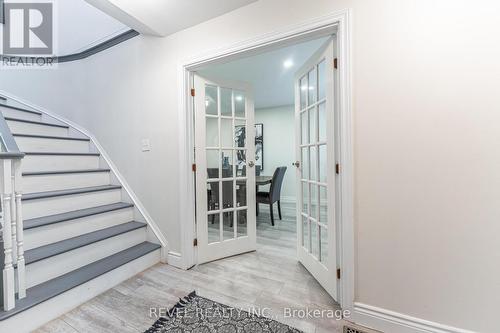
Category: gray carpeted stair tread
[69,138]
[50,250]
[35,122]
[63,283]
[63,172]
[51,194]
[41,153]
[20,109]
[51,219]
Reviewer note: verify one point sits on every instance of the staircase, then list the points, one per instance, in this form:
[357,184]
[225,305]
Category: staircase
[82,231]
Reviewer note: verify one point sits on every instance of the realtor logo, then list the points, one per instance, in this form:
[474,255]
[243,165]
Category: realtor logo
[29,29]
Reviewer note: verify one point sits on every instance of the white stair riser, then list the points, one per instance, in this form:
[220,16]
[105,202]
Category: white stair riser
[59,162]
[42,183]
[35,129]
[67,203]
[58,265]
[56,232]
[11,113]
[52,145]
[44,312]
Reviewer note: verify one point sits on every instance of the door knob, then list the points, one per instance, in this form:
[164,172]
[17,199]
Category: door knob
[251,164]
[296,164]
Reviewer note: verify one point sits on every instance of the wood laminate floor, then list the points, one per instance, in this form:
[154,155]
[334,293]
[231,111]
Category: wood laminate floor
[269,279]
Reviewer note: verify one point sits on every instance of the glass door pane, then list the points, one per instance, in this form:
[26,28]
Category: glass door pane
[313,154]
[226,136]
[225,179]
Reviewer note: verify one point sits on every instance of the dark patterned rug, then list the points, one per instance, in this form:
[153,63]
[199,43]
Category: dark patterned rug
[195,314]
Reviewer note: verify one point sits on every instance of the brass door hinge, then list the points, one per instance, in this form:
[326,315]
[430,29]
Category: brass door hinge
[193,92]
[337,169]
[195,242]
[193,167]
[338,273]
[335,63]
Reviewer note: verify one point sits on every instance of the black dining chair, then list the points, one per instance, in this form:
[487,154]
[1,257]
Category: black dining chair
[274,194]
[227,192]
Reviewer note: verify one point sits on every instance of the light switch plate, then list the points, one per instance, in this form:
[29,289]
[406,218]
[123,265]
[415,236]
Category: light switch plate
[146,145]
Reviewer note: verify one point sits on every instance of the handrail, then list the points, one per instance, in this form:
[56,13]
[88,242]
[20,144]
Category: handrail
[87,52]
[9,150]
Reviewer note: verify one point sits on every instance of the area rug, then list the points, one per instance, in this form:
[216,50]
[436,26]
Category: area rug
[195,314]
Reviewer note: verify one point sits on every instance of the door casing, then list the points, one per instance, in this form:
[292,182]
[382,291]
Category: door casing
[337,23]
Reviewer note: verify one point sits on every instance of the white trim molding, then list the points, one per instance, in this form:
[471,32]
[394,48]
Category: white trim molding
[391,321]
[138,204]
[175,259]
[346,249]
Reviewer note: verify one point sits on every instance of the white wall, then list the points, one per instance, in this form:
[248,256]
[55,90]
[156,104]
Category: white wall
[426,141]
[59,90]
[279,145]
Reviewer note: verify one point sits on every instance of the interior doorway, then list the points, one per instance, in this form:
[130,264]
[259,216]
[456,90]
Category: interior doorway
[342,251]
[290,94]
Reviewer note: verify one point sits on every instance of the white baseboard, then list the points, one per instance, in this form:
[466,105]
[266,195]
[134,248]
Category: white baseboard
[175,259]
[389,321]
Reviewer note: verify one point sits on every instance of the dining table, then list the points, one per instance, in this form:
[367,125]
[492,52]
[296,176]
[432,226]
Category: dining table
[259,180]
[263,180]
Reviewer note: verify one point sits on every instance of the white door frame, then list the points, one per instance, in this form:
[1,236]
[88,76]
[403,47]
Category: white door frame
[338,23]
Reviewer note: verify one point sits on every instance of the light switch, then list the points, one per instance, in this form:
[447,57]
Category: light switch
[146,145]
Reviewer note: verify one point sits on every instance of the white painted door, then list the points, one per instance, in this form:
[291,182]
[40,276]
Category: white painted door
[225,163]
[315,167]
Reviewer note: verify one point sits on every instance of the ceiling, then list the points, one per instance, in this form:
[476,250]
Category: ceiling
[80,26]
[164,17]
[273,84]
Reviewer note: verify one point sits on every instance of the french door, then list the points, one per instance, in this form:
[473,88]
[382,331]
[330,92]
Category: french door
[225,176]
[315,167]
